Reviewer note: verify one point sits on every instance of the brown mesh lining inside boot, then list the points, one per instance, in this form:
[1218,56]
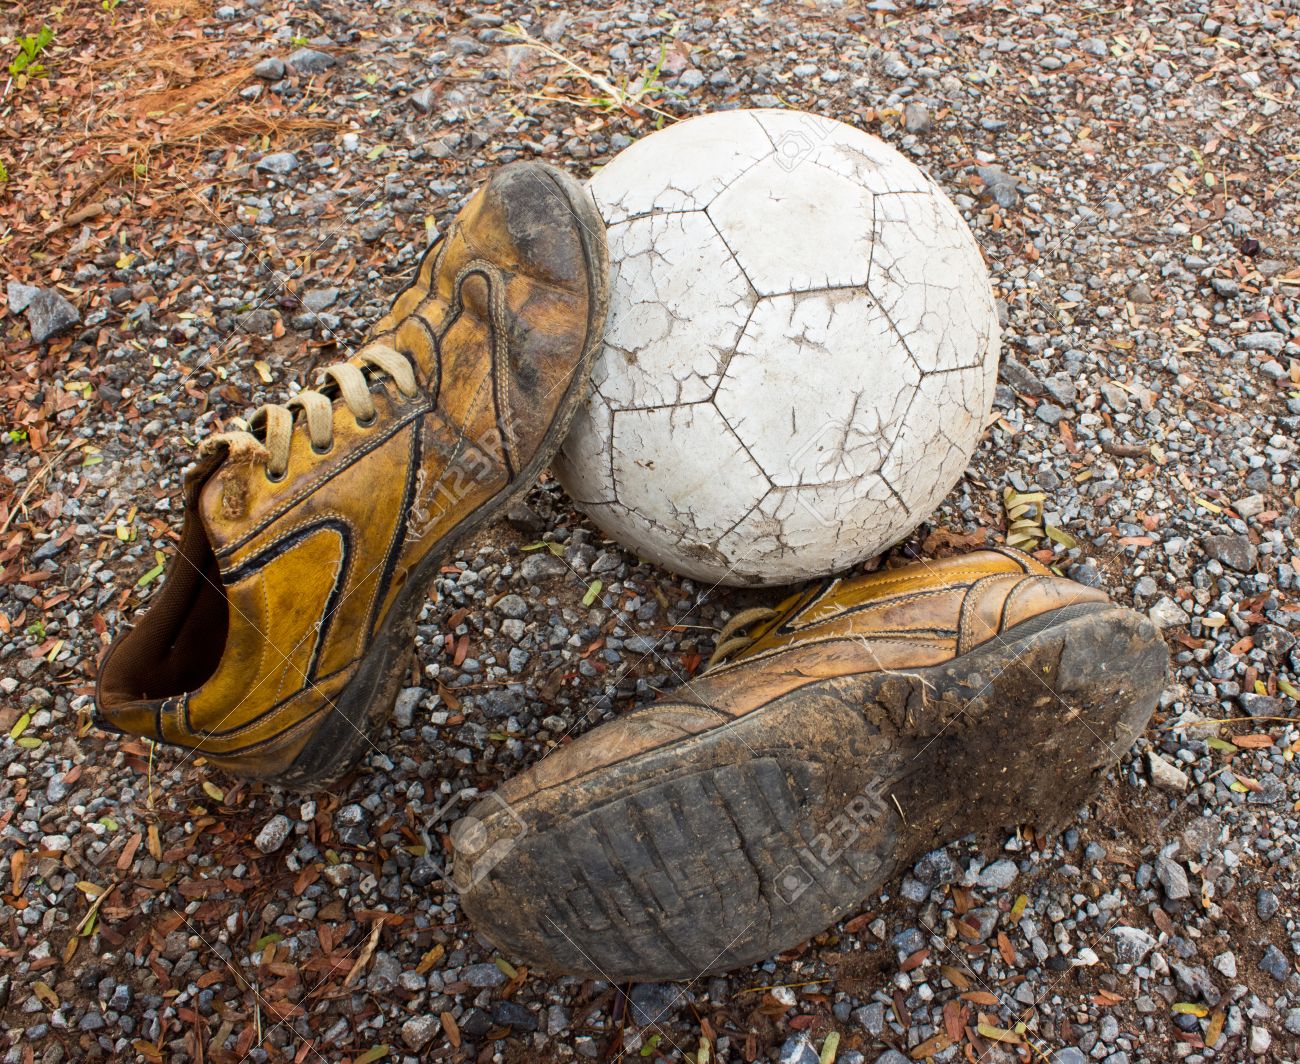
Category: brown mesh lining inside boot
[177,644]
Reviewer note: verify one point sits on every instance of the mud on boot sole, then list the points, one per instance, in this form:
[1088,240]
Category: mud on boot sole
[724,848]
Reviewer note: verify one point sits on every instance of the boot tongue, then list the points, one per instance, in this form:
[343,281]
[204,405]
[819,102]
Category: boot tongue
[216,490]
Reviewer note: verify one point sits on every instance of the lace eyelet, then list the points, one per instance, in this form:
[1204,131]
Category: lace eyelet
[322,450]
[367,422]
[273,479]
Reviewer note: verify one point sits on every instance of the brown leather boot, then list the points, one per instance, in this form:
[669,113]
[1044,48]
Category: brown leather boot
[276,646]
[861,723]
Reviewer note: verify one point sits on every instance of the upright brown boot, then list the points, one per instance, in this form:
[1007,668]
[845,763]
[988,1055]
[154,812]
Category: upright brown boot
[276,645]
[861,723]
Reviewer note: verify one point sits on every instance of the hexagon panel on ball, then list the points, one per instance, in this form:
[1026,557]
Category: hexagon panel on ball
[800,353]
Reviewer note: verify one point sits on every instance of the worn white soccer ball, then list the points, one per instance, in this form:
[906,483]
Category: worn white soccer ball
[800,354]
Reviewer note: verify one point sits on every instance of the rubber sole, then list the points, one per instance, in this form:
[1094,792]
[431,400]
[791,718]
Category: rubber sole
[725,848]
[362,709]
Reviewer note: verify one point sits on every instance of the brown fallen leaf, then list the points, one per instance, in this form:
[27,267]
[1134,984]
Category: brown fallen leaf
[931,1046]
[1257,741]
[942,539]
[450,1029]
[954,1020]
[1007,950]
[954,976]
[367,952]
[1215,1028]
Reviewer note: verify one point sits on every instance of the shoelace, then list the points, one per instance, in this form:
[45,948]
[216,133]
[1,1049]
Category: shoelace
[275,421]
[734,635]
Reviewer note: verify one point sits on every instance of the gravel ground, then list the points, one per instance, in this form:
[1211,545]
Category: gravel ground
[1131,173]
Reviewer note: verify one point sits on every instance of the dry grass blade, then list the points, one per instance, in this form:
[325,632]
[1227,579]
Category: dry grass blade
[629,97]
[135,98]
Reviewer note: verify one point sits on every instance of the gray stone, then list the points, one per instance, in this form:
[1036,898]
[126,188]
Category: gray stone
[514,1015]
[1266,904]
[1115,396]
[260,321]
[1250,505]
[1274,640]
[870,1017]
[1069,1055]
[798,1049]
[1087,573]
[279,163]
[1062,389]
[1166,613]
[937,868]
[1173,877]
[420,1030]
[404,707]
[1236,552]
[270,69]
[20,295]
[982,921]
[1272,342]
[512,606]
[914,890]
[1132,944]
[1050,413]
[1262,705]
[273,833]
[352,825]
[318,299]
[655,1003]
[310,61]
[908,941]
[542,565]
[521,516]
[49,314]
[1166,776]
[1021,378]
[1275,963]
[892,1056]
[483,976]
[916,118]
[999,875]
[1194,979]
[1292,1021]
[423,101]
[1000,185]
[385,973]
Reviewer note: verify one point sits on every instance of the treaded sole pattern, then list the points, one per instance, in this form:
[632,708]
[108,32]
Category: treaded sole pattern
[722,850]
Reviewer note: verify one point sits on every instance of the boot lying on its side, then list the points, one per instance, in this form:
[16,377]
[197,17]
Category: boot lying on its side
[861,723]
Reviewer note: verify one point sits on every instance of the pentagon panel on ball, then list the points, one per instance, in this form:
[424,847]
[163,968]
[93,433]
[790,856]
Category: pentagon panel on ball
[800,353]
